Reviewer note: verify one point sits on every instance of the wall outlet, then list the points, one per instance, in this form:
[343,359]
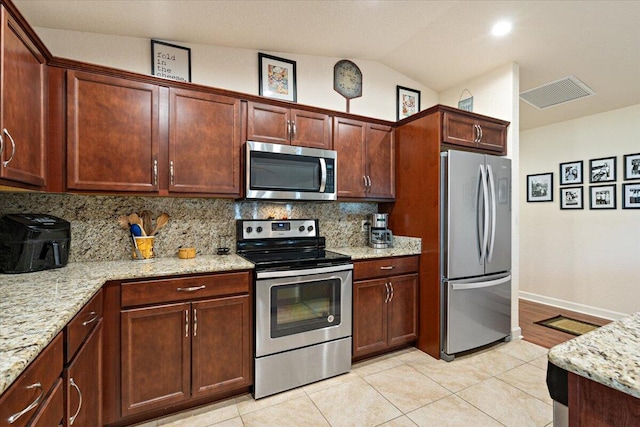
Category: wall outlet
[364,225]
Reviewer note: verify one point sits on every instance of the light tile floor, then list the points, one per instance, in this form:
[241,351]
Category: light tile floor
[503,385]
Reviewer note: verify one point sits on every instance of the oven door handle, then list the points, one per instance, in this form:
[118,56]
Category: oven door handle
[323,175]
[293,273]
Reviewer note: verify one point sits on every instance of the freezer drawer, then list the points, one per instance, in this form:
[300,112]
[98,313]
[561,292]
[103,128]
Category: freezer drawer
[476,312]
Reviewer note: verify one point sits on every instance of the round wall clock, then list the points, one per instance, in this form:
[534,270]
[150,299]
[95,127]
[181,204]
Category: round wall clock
[347,80]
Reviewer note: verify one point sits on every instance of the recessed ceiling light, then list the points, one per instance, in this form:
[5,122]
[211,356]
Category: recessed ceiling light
[501,28]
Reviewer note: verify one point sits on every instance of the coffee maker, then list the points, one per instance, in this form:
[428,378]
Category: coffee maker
[380,237]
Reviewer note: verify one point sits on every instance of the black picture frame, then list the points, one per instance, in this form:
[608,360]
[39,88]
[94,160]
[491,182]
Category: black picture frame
[602,197]
[170,61]
[571,198]
[631,166]
[407,102]
[602,170]
[631,195]
[540,187]
[277,78]
[571,173]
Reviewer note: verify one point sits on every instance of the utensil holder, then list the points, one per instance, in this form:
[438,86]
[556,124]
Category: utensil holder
[145,247]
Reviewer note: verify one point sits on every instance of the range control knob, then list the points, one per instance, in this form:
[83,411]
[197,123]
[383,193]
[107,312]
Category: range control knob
[310,228]
[249,229]
[301,228]
[259,229]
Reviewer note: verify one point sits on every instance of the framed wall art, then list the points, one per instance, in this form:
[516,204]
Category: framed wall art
[170,61]
[540,187]
[602,196]
[632,166]
[571,198]
[602,170]
[407,102]
[277,78]
[631,196]
[571,173]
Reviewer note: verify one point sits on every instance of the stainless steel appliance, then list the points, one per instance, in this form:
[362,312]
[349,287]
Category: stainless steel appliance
[476,251]
[287,172]
[380,236]
[303,296]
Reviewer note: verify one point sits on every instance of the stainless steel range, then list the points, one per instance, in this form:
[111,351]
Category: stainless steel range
[302,305]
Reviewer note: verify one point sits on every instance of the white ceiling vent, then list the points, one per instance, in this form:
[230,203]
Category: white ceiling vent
[558,92]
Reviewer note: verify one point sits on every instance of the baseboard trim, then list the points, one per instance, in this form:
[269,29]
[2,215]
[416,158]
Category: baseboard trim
[567,305]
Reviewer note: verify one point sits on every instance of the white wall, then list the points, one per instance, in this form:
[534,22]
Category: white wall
[237,70]
[496,94]
[584,260]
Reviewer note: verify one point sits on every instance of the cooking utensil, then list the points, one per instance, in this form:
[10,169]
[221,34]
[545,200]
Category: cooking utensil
[135,245]
[135,219]
[147,221]
[161,221]
[123,222]
[137,230]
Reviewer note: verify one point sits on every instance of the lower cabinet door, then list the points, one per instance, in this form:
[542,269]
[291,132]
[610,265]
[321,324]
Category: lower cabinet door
[52,412]
[156,353]
[403,313]
[83,383]
[369,316]
[221,345]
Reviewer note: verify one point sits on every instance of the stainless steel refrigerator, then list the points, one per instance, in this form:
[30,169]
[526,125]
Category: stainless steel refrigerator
[475,251]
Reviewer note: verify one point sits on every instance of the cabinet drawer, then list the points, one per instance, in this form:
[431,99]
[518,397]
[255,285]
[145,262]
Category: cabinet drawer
[385,267]
[185,288]
[32,385]
[52,412]
[82,324]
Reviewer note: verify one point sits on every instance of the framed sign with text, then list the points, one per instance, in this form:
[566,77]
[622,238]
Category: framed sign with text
[170,61]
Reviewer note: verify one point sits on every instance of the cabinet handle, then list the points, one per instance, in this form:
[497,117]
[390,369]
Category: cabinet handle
[369,182]
[186,323]
[392,291]
[171,171]
[155,172]
[288,129]
[364,178]
[195,322]
[1,145]
[191,289]
[13,148]
[13,418]
[387,267]
[74,385]
[295,130]
[386,298]
[95,317]
[480,131]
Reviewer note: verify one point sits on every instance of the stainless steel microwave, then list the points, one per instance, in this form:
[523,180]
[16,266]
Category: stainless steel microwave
[286,172]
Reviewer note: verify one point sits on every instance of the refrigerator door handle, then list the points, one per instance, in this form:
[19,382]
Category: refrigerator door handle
[456,286]
[492,241]
[485,228]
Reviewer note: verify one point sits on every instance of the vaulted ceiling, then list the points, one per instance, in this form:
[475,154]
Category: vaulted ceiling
[440,44]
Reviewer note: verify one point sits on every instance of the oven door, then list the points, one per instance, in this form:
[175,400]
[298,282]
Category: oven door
[298,308]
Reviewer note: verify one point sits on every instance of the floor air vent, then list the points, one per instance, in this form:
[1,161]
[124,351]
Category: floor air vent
[558,92]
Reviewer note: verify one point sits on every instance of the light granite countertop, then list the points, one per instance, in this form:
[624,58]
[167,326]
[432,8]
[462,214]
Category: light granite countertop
[609,355]
[35,307]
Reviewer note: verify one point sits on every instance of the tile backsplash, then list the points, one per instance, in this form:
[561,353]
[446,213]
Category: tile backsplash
[205,224]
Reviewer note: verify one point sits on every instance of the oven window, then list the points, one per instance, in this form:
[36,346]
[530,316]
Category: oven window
[277,171]
[304,307]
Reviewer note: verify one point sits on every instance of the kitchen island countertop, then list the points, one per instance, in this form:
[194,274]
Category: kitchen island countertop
[609,355]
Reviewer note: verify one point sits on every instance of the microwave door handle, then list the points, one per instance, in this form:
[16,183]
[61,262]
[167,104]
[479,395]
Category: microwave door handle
[323,174]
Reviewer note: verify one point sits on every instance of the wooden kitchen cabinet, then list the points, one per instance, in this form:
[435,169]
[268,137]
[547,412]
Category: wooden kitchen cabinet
[35,396]
[468,131]
[22,97]
[366,159]
[181,341]
[204,143]
[129,136]
[289,126]
[385,299]
[112,133]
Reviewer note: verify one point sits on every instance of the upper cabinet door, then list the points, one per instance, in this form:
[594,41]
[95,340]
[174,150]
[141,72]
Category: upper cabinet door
[381,162]
[349,140]
[310,129]
[268,123]
[112,133]
[204,143]
[23,107]
[485,135]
